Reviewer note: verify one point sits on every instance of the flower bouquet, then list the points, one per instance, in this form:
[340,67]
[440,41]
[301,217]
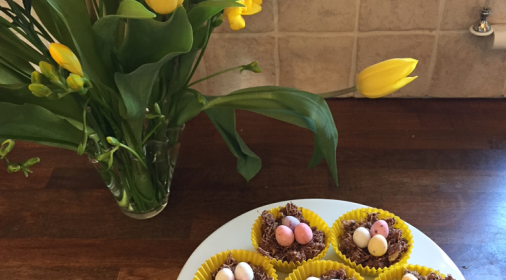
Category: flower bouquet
[112,79]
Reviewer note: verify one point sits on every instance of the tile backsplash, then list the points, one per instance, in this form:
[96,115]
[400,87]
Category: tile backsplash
[320,45]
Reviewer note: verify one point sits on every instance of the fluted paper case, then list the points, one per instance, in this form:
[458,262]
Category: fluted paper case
[313,219]
[359,215]
[397,272]
[212,264]
[317,268]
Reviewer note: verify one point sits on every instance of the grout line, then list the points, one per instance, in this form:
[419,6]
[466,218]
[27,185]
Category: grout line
[276,38]
[338,34]
[438,32]
[354,54]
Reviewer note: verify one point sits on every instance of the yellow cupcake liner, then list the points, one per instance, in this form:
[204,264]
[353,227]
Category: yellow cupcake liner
[317,268]
[212,264]
[360,215]
[313,219]
[397,271]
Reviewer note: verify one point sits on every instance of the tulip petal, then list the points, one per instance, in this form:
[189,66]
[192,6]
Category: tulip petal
[385,77]
[65,58]
[409,63]
[388,89]
[235,19]
[254,9]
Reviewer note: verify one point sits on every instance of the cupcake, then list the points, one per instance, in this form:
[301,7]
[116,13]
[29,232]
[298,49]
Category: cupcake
[290,236]
[235,265]
[324,270]
[412,272]
[371,240]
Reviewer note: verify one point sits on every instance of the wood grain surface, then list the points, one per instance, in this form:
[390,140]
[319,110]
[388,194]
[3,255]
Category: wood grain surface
[439,164]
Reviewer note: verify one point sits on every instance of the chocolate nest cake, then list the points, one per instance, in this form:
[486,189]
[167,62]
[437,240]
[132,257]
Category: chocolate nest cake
[296,252]
[231,263]
[335,275]
[430,276]
[396,244]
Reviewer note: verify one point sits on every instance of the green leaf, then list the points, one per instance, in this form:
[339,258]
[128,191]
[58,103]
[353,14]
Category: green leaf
[248,163]
[293,106]
[133,9]
[148,40]
[205,10]
[12,46]
[35,124]
[53,23]
[136,88]
[19,94]
[74,15]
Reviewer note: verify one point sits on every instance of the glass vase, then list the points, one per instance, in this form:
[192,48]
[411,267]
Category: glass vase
[141,192]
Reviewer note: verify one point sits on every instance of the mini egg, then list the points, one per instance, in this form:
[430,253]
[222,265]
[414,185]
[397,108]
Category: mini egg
[303,233]
[225,274]
[284,236]
[313,278]
[243,272]
[409,276]
[291,222]
[377,245]
[361,237]
[380,227]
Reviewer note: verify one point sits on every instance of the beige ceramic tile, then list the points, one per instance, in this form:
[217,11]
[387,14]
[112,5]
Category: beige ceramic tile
[225,51]
[461,14]
[398,15]
[467,67]
[315,64]
[374,49]
[317,15]
[261,22]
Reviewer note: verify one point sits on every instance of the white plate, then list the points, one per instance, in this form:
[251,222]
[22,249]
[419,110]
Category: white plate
[236,234]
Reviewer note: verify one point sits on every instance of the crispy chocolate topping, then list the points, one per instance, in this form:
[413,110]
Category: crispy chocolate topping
[296,252]
[335,275]
[430,276]
[396,244]
[231,264]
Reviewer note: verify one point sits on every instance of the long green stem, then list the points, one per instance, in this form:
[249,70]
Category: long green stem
[135,155]
[338,92]
[215,74]
[151,133]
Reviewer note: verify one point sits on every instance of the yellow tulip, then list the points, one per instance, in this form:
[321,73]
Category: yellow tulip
[164,7]
[65,58]
[386,77]
[75,82]
[234,15]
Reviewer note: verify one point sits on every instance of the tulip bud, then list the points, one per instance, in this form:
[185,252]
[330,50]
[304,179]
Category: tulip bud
[113,141]
[75,82]
[65,58]
[253,67]
[164,7]
[6,147]
[36,77]
[30,162]
[50,72]
[12,167]
[386,77]
[157,109]
[39,90]
[81,149]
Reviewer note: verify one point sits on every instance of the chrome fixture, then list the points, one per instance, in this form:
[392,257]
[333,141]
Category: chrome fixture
[482,27]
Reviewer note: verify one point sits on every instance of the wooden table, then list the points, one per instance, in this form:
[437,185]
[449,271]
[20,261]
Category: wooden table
[438,164]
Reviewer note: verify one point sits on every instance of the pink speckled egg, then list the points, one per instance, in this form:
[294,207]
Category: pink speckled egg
[303,233]
[379,227]
[284,236]
[290,222]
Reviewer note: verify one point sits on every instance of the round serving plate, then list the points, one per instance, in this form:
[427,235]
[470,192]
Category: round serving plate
[236,234]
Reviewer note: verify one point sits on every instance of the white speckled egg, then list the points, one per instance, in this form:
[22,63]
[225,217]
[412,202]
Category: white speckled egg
[409,276]
[361,237]
[377,245]
[290,222]
[225,274]
[380,227]
[284,236]
[313,278]
[243,272]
